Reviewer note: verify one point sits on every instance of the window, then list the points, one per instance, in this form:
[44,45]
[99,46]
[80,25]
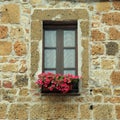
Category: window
[60,47]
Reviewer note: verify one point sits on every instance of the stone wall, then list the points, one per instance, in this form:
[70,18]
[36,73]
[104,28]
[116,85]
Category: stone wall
[20,60]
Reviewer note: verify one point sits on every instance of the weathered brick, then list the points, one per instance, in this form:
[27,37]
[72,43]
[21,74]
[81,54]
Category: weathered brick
[10,13]
[21,80]
[66,111]
[10,67]
[111,18]
[18,111]
[116,4]
[117,108]
[5,48]
[115,78]
[97,50]
[97,35]
[3,110]
[103,6]
[114,34]
[20,48]
[3,32]
[103,112]
[111,48]
[85,112]
[108,64]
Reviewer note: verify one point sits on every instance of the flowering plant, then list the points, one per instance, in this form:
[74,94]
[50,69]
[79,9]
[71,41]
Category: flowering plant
[61,83]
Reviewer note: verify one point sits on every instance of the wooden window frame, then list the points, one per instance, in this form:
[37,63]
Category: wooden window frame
[60,26]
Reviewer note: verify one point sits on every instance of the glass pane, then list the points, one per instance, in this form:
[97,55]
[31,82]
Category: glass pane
[69,72]
[69,58]
[50,58]
[69,38]
[52,71]
[50,38]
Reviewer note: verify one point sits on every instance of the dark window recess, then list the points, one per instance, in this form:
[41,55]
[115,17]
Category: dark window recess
[60,47]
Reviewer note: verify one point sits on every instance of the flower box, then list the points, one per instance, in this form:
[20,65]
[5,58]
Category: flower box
[50,83]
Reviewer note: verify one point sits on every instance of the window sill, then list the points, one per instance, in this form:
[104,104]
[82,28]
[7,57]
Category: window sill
[60,94]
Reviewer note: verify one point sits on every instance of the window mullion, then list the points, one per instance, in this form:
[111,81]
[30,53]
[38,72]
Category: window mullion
[59,53]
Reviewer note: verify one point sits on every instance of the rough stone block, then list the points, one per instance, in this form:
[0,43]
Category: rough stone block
[97,50]
[5,48]
[35,2]
[117,91]
[111,18]
[85,28]
[103,6]
[10,67]
[117,108]
[20,48]
[18,111]
[66,111]
[112,99]
[3,32]
[111,48]
[108,64]
[114,34]
[115,78]
[3,110]
[116,4]
[97,35]
[21,80]
[34,58]
[67,14]
[103,91]
[36,30]
[85,63]
[23,92]
[23,69]
[98,98]
[24,99]
[3,59]
[10,13]
[103,112]
[9,95]
[85,112]
[16,32]
[7,84]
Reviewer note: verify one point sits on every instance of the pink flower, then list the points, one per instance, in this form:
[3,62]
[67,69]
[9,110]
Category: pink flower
[56,81]
[40,82]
